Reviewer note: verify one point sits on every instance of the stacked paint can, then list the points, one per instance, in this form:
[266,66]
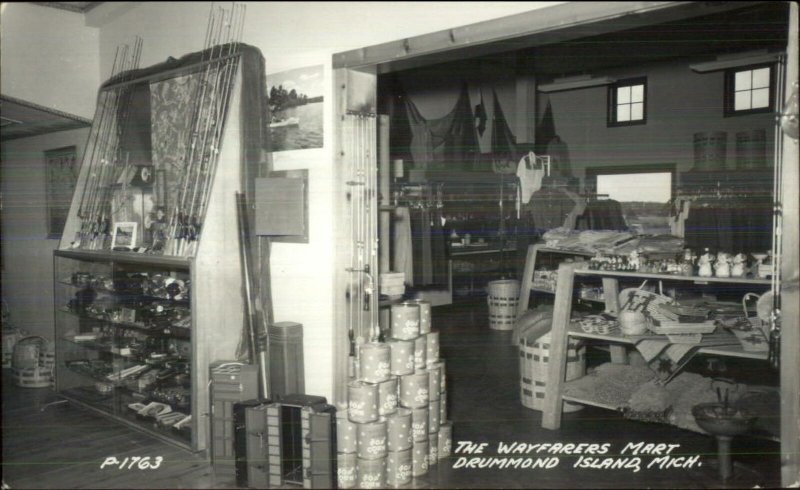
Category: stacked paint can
[395,424]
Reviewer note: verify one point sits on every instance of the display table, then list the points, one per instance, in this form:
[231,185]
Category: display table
[553,397]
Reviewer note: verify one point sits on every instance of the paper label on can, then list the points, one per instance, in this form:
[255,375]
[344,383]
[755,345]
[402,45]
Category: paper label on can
[410,327]
[434,454]
[390,402]
[357,408]
[445,450]
[422,395]
[382,370]
[376,446]
[371,480]
[419,429]
[346,475]
[403,472]
[410,362]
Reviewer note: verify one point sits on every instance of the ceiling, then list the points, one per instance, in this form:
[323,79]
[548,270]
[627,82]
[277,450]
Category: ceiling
[21,119]
[78,7]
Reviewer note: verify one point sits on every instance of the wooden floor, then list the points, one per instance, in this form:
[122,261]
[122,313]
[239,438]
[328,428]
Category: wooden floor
[63,446]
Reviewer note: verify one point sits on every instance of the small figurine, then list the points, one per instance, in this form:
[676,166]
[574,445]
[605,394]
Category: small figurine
[739,263]
[704,264]
[722,268]
[633,260]
[687,266]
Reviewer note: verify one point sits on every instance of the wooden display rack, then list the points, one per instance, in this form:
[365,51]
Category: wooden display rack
[554,393]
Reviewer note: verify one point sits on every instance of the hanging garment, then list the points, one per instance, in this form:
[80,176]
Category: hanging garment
[402,251]
[449,141]
[603,214]
[439,239]
[530,177]
[578,210]
[504,144]
[549,208]
[559,157]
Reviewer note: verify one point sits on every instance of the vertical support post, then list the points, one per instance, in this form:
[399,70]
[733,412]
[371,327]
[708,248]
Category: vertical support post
[384,174]
[619,353]
[527,280]
[790,287]
[556,368]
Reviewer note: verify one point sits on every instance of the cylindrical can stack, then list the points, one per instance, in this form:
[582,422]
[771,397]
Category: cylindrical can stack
[395,424]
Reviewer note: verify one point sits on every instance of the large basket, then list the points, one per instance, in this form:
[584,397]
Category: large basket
[503,299]
[32,363]
[534,358]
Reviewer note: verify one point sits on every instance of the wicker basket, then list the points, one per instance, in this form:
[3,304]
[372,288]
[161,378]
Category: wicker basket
[32,363]
[534,357]
[503,299]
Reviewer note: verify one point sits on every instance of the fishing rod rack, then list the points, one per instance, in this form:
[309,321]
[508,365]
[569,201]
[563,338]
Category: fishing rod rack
[178,188]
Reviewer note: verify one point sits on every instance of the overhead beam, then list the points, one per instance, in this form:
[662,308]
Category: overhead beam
[534,28]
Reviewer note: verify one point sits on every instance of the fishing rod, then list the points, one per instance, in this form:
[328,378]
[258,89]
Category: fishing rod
[227,70]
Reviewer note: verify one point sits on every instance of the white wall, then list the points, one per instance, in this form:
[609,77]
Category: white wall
[27,253]
[49,57]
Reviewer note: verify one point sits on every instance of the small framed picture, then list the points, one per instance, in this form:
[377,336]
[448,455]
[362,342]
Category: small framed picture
[124,236]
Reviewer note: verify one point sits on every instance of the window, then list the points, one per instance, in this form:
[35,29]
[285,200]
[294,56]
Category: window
[627,102]
[748,90]
[643,192]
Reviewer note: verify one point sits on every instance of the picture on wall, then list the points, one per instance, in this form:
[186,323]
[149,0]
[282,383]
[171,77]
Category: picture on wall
[61,169]
[295,102]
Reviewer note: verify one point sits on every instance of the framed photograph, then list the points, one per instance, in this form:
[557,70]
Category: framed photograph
[61,170]
[124,235]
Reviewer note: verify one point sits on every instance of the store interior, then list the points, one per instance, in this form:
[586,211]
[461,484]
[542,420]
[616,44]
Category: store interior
[568,230]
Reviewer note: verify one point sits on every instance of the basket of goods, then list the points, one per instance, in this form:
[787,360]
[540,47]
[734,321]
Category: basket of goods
[32,363]
[753,331]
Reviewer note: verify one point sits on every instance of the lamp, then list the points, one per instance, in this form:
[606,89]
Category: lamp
[733,60]
[571,83]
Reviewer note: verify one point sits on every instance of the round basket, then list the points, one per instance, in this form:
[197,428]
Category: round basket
[32,363]
[534,357]
[503,299]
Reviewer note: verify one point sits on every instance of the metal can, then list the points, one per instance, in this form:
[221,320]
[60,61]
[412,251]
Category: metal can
[432,347]
[398,430]
[420,352]
[387,396]
[362,406]
[405,320]
[372,440]
[433,448]
[402,356]
[346,441]
[371,473]
[373,362]
[424,315]
[433,416]
[442,408]
[346,470]
[419,458]
[419,424]
[414,390]
[434,380]
[398,467]
[445,439]
[442,376]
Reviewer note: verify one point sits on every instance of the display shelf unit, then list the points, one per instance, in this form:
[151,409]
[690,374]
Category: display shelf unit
[536,252]
[95,347]
[125,326]
[561,330]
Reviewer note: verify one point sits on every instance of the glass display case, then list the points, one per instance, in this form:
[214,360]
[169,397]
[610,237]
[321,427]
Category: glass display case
[124,339]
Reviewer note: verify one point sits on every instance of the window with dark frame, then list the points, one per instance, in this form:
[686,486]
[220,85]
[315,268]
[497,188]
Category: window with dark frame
[748,90]
[627,102]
